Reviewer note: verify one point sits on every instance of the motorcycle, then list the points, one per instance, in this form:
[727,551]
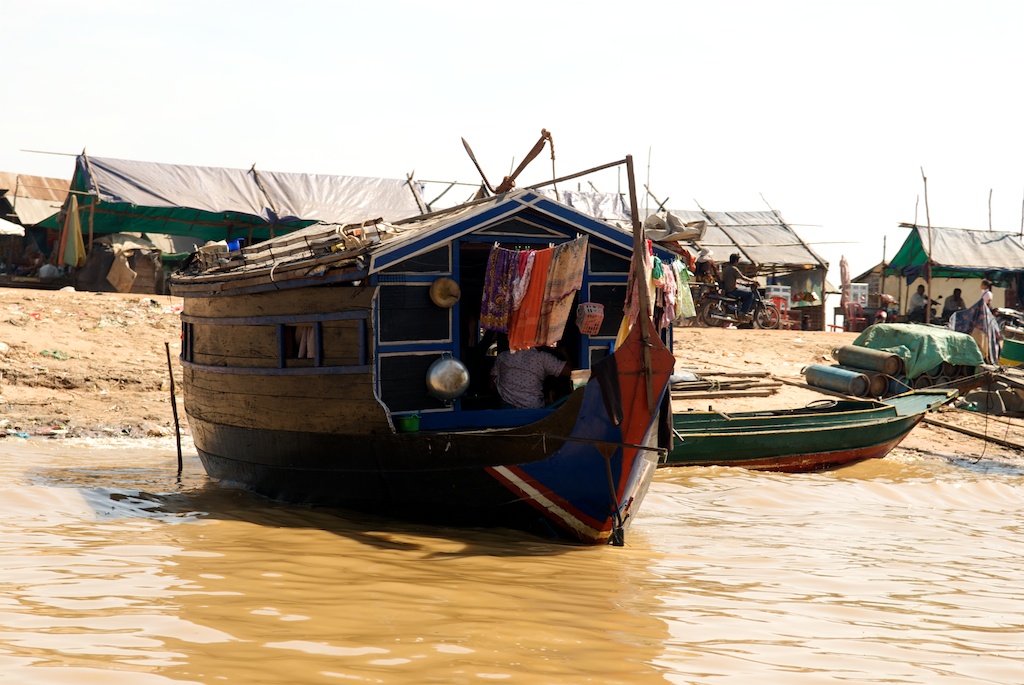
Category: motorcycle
[718,309]
[1014,318]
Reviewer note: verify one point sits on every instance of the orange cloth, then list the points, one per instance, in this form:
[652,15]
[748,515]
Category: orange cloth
[523,330]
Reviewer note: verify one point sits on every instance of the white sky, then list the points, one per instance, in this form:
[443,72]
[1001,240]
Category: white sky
[829,109]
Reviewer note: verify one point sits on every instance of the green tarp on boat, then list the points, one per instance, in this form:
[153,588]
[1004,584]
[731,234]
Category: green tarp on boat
[921,347]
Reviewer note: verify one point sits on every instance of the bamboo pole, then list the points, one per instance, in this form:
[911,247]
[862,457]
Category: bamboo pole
[640,282]
[928,259]
[974,434]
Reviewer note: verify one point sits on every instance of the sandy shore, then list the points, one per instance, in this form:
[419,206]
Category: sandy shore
[95,365]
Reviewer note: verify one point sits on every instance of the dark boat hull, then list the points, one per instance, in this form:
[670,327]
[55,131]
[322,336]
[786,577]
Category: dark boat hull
[580,474]
[800,440]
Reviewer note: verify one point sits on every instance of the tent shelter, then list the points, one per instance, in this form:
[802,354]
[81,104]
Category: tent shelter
[211,203]
[26,201]
[769,248]
[199,204]
[960,255]
[29,200]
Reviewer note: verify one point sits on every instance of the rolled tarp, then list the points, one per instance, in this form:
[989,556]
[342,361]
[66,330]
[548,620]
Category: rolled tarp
[868,359]
[837,379]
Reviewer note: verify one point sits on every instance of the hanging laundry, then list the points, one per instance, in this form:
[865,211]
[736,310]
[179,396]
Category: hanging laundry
[668,301]
[525,320]
[565,277]
[496,300]
[685,308]
[632,305]
[522,282]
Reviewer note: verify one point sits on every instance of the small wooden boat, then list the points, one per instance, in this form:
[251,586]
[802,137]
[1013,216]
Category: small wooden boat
[824,434]
[341,365]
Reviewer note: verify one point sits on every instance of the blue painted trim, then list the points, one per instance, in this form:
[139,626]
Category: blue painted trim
[412,348]
[273,371]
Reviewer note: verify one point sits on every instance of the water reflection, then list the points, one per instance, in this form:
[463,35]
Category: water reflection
[116,568]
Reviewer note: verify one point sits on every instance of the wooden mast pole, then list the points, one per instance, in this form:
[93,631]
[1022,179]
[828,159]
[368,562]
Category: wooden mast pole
[928,258]
[640,282]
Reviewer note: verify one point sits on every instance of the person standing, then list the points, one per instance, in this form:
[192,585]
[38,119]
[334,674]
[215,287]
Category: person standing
[986,292]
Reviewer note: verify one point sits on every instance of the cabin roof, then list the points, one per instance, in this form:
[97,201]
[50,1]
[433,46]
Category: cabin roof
[424,233]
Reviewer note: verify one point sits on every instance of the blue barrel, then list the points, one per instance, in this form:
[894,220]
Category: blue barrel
[868,359]
[899,385]
[878,383]
[837,379]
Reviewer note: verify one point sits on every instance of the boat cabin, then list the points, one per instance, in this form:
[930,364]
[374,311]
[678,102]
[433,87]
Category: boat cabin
[407,294]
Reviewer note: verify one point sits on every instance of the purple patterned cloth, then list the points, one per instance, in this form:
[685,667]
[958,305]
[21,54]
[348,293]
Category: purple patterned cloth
[496,303]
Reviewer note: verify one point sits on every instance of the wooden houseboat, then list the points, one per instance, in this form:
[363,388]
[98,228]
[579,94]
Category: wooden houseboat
[346,366]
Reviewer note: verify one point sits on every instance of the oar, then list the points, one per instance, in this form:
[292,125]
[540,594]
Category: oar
[477,165]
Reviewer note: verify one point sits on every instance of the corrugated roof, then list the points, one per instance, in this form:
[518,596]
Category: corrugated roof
[33,198]
[760,237]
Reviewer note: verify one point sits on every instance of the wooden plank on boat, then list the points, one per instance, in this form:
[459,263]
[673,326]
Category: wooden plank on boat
[722,394]
[327,404]
[281,302]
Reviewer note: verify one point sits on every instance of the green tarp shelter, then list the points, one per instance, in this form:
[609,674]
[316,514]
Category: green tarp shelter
[212,203]
[958,253]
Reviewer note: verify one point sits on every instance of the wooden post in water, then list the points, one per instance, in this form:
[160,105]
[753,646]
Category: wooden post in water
[174,404]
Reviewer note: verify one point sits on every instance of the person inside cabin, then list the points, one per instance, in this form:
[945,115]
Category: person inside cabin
[519,377]
[953,304]
[705,270]
[733,281]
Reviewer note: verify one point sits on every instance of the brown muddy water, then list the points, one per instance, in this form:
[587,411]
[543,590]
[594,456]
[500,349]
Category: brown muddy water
[903,570]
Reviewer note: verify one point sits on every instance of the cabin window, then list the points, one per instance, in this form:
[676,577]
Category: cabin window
[603,262]
[519,227]
[403,382]
[436,261]
[300,341]
[407,314]
[611,296]
[599,353]
[187,333]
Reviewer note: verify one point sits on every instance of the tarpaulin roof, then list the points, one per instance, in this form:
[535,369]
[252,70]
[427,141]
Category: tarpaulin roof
[761,238]
[213,203]
[957,252]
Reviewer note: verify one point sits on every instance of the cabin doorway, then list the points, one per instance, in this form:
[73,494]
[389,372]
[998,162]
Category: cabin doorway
[478,348]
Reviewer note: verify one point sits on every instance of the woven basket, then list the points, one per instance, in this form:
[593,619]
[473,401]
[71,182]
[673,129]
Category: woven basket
[589,316]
